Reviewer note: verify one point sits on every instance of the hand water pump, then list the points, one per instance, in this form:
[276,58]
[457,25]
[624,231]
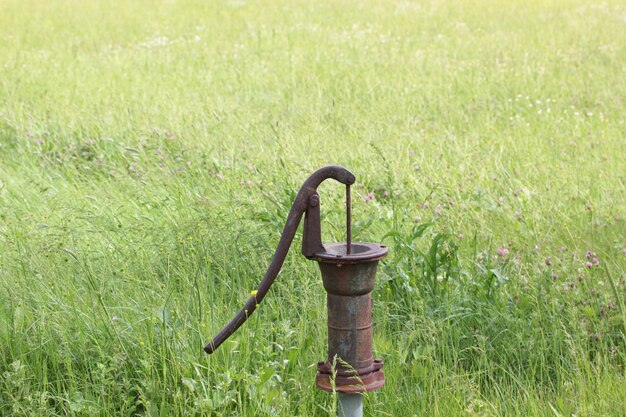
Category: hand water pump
[348,273]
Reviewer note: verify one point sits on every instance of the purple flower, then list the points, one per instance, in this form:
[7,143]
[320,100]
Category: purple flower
[369,197]
[503,251]
[554,277]
[624,251]
[596,261]
[386,194]
[588,255]
[588,264]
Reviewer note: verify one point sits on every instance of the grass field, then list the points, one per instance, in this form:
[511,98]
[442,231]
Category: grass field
[150,151]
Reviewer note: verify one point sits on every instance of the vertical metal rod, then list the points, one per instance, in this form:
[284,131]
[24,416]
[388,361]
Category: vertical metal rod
[349,405]
[348,221]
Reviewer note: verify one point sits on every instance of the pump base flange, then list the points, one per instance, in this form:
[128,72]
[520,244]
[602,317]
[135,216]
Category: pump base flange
[350,381]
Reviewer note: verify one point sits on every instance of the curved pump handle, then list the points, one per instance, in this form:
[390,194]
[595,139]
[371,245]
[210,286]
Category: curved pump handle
[307,201]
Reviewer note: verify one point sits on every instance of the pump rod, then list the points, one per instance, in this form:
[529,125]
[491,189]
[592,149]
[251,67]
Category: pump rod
[348,221]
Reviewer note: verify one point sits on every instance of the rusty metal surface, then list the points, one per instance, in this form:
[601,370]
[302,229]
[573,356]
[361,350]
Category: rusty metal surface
[352,383]
[349,281]
[305,202]
[312,230]
[361,252]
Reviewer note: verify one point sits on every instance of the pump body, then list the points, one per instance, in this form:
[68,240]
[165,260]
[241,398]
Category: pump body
[349,281]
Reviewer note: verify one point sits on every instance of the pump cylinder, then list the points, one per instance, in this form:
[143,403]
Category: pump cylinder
[349,315]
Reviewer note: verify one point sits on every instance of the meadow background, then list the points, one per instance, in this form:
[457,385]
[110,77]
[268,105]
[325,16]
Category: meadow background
[150,151]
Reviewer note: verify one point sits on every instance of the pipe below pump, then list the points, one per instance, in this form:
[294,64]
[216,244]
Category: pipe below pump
[349,405]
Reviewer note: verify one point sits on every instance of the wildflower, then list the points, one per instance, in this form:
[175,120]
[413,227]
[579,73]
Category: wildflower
[624,251]
[114,318]
[249,183]
[369,197]
[425,205]
[555,277]
[254,293]
[593,259]
[503,251]
[386,194]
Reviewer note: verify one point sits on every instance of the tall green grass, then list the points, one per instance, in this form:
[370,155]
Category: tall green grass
[150,151]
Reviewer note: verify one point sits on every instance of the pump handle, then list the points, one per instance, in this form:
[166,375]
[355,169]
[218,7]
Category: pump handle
[307,201]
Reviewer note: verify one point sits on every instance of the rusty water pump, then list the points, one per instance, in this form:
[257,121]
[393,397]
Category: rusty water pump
[348,272]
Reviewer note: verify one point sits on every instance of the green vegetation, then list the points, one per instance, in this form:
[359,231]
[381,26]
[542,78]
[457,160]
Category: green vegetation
[150,151]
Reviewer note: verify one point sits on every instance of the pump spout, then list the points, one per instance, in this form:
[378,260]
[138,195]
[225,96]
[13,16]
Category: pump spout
[306,202]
